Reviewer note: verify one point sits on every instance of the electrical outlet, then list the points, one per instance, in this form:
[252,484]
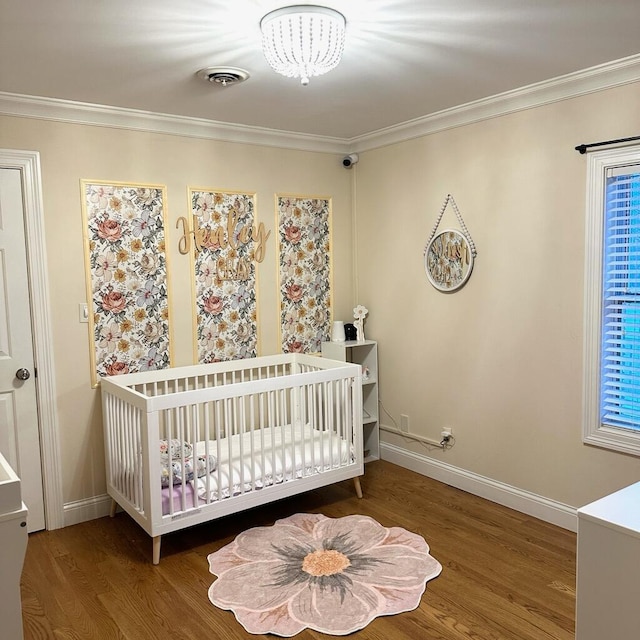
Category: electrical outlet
[404,423]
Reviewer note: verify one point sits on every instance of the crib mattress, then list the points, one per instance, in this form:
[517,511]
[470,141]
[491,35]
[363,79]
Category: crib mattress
[257,459]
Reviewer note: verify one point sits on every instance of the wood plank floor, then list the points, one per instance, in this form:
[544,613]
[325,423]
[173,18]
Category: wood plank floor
[505,575]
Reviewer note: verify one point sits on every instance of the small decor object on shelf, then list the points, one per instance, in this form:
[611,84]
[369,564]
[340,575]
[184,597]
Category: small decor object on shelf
[337,331]
[350,332]
[360,313]
[449,254]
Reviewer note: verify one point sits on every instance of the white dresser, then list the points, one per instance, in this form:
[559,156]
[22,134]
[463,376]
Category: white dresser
[608,567]
[13,546]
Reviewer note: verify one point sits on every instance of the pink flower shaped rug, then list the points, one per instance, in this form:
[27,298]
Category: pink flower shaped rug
[333,575]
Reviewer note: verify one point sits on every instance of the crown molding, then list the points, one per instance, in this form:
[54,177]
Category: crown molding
[57,110]
[599,78]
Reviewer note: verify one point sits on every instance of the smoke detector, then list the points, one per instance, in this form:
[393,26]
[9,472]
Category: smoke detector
[225,76]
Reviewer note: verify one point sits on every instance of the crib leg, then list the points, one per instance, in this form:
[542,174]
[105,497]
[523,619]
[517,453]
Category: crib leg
[356,483]
[156,549]
[112,510]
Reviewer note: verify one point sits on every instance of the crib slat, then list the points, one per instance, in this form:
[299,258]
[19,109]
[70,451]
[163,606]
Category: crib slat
[261,427]
[251,421]
[239,429]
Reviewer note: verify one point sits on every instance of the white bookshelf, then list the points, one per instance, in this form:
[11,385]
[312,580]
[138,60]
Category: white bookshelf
[364,353]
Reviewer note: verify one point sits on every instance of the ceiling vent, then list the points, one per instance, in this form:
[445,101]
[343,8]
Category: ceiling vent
[225,76]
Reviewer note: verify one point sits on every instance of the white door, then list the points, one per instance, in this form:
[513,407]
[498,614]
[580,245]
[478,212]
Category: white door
[19,431]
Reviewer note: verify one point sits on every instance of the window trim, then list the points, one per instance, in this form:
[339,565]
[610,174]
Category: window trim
[593,432]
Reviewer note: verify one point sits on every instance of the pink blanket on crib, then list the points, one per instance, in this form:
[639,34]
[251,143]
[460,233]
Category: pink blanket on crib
[175,493]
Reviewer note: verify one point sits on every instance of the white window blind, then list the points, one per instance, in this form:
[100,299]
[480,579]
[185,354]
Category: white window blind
[620,354]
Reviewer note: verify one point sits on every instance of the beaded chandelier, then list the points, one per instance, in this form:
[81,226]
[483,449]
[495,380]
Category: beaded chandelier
[302,41]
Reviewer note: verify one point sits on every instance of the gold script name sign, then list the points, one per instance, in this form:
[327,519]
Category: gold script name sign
[222,238]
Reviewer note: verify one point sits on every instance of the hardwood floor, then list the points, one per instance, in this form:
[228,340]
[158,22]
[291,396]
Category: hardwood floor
[505,575]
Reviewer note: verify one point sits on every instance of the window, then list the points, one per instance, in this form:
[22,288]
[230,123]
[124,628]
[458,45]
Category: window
[612,301]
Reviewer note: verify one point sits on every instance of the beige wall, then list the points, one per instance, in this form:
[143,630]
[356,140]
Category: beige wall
[499,361]
[71,152]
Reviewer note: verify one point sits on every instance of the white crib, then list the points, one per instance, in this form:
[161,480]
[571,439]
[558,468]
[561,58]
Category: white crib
[233,435]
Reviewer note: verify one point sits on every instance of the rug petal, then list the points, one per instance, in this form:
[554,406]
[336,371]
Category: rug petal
[252,587]
[400,567]
[397,535]
[364,532]
[335,612]
[263,543]
[276,621]
[224,559]
[400,600]
[305,521]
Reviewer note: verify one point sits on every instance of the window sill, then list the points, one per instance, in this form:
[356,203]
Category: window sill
[614,439]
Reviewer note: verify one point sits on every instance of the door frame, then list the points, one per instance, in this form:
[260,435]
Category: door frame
[28,163]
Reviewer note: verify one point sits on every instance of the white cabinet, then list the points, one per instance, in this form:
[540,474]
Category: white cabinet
[365,353]
[608,567]
[13,546]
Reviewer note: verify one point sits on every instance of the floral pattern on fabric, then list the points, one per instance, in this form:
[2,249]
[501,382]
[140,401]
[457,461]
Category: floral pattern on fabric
[176,459]
[172,473]
[330,575]
[174,449]
[304,236]
[128,278]
[225,277]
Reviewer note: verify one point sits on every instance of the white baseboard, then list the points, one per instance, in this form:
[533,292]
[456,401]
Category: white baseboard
[532,504]
[557,513]
[85,510]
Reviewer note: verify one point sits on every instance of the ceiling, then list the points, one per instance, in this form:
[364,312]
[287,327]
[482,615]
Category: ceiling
[403,59]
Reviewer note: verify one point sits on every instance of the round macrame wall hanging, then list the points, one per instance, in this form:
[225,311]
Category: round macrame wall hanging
[449,254]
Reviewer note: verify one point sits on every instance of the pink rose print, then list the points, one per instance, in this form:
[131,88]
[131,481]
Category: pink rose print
[213,304]
[116,369]
[210,242]
[294,292]
[109,230]
[114,301]
[292,233]
[295,346]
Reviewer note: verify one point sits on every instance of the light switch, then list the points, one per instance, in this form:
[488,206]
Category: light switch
[83,312]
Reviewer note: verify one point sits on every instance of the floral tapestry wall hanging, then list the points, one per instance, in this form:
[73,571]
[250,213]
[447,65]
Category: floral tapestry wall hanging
[227,244]
[304,237]
[126,268]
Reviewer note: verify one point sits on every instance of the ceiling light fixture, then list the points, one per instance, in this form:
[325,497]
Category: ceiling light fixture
[302,41]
